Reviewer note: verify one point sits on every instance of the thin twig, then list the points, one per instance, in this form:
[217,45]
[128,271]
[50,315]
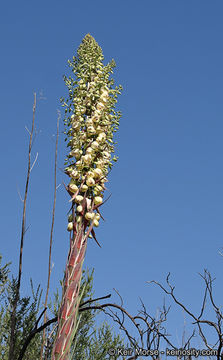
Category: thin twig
[34,161]
[51,233]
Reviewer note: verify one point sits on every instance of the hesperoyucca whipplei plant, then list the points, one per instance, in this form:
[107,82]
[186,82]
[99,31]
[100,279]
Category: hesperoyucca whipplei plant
[90,122]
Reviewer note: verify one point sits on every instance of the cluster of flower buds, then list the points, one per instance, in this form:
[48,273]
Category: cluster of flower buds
[90,124]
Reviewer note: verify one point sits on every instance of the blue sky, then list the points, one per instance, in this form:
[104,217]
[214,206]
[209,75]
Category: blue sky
[165,213]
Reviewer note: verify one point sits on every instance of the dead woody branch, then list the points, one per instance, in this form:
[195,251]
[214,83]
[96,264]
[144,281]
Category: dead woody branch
[148,334]
[18,284]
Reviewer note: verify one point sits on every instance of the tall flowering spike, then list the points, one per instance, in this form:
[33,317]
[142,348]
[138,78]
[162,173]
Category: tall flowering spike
[90,122]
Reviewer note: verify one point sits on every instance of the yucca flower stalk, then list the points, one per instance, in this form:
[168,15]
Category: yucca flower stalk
[90,122]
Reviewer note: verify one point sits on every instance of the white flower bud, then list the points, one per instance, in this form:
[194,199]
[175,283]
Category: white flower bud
[104,93]
[83,136]
[98,188]
[76,126]
[89,122]
[84,188]
[69,169]
[79,208]
[100,106]
[95,118]
[76,153]
[73,187]
[78,198]
[89,216]
[103,99]
[75,174]
[97,216]
[95,145]
[90,174]
[78,164]
[106,154]
[90,181]
[100,164]
[96,223]
[97,113]
[91,130]
[89,150]
[98,200]
[101,137]
[98,129]
[87,158]
[70,226]
[97,172]
[83,110]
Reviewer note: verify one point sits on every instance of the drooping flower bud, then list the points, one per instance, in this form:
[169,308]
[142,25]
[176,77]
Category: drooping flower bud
[70,226]
[79,198]
[72,186]
[89,216]
[90,181]
[98,200]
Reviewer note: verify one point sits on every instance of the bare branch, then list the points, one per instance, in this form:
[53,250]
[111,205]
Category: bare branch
[198,319]
[51,233]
